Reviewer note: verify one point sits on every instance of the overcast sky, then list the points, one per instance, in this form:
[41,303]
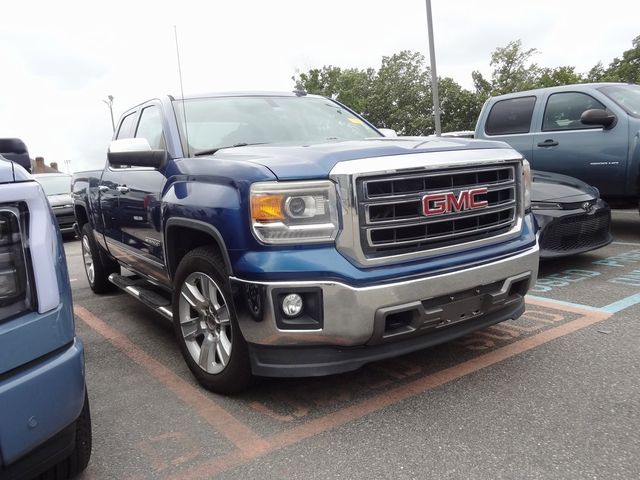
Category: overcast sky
[61,58]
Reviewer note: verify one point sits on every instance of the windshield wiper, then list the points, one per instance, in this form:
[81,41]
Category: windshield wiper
[211,151]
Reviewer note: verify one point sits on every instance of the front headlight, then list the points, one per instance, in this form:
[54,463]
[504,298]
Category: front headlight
[13,271]
[526,184]
[294,212]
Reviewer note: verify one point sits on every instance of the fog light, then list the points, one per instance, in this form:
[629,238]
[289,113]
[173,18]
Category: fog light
[292,305]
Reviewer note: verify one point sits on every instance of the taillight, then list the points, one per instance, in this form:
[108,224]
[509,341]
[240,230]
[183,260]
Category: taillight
[14,283]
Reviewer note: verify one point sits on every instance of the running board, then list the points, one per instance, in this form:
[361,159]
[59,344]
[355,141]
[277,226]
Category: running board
[137,289]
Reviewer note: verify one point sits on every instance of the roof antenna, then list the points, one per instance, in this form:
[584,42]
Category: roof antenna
[184,111]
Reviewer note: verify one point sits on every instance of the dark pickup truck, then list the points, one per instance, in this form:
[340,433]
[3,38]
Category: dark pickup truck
[285,236]
[589,131]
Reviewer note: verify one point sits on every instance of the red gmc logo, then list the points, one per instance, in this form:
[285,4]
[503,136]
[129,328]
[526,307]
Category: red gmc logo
[439,203]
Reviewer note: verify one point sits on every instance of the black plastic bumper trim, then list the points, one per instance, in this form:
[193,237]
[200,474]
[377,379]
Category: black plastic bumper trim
[314,361]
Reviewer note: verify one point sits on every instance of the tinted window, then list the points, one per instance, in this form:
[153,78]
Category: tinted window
[150,127]
[510,116]
[563,111]
[126,126]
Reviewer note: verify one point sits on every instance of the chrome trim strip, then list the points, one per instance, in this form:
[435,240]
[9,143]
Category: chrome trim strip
[349,312]
[461,234]
[366,183]
[406,197]
[424,220]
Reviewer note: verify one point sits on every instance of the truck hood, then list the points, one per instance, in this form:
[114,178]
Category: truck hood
[60,200]
[555,187]
[289,162]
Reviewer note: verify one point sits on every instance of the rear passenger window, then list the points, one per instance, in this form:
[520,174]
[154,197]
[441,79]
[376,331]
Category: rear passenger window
[126,126]
[563,111]
[510,116]
[150,127]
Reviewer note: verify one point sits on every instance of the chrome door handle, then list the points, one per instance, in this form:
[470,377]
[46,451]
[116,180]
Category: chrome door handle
[122,188]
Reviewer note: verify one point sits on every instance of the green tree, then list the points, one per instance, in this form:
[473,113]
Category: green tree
[401,95]
[551,77]
[627,68]
[459,107]
[512,70]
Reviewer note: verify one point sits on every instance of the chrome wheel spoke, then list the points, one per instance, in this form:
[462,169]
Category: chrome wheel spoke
[207,349]
[192,295]
[223,316]
[190,329]
[223,348]
[207,288]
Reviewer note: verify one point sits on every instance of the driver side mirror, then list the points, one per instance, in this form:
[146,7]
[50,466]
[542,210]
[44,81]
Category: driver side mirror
[388,132]
[135,152]
[597,116]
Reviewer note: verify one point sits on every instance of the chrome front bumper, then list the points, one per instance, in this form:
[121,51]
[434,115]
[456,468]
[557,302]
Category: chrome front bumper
[354,316]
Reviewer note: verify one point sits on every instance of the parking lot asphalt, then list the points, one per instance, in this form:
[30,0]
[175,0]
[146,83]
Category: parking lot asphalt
[552,395]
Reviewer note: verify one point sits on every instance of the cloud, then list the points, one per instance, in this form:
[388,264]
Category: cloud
[58,67]
[56,58]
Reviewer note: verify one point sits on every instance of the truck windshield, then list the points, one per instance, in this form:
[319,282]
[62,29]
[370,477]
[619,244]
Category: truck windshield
[54,184]
[626,96]
[218,122]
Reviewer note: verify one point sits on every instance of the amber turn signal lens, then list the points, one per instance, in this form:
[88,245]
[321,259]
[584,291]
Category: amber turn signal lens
[267,208]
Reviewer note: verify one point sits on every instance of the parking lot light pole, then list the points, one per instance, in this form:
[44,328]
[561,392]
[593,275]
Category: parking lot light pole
[109,103]
[434,74]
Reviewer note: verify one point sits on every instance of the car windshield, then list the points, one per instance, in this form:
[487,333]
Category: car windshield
[626,96]
[233,121]
[55,184]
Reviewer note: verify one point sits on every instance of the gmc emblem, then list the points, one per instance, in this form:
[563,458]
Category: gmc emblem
[439,203]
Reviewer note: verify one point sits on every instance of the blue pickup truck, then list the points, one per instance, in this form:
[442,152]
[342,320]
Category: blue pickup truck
[589,131]
[285,236]
[45,426]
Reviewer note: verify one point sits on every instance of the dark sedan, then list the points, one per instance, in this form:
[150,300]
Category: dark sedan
[571,215]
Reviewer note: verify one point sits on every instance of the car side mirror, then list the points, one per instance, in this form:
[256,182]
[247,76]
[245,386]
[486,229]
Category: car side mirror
[388,132]
[15,150]
[597,116]
[135,152]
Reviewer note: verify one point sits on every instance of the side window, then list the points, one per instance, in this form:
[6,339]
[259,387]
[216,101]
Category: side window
[510,116]
[563,111]
[125,130]
[150,127]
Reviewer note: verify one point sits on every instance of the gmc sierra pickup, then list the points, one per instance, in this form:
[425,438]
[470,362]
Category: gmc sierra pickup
[285,236]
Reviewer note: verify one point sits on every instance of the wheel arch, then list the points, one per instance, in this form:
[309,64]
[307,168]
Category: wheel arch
[82,217]
[200,234]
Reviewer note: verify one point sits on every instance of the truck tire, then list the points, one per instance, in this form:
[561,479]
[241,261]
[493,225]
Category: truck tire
[205,324]
[97,266]
[75,463]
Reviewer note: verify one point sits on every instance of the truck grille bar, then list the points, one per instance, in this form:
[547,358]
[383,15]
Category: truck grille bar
[392,220]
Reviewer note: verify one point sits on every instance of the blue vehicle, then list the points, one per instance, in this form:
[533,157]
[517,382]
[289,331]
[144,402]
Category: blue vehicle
[590,132]
[283,235]
[45,426]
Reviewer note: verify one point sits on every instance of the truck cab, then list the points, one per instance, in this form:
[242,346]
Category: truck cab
[588,131]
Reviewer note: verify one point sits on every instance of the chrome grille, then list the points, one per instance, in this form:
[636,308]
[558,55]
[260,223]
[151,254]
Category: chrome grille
[390,209]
